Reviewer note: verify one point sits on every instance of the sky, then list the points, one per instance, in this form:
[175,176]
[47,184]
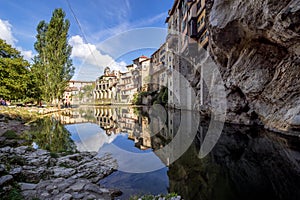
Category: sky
[102,33]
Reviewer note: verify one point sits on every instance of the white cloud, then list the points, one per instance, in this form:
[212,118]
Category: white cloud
[7,35]
[92,60]
[28,55]
[6,32]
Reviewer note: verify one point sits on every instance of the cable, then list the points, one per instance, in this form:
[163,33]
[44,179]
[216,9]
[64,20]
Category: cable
[81,30]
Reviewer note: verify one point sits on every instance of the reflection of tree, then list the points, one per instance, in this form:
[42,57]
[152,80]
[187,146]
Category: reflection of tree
[51,135]
[88,114]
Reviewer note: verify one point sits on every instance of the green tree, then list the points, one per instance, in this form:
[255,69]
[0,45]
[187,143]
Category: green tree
[86,91]
[14,73]
[40,68]
[52,66]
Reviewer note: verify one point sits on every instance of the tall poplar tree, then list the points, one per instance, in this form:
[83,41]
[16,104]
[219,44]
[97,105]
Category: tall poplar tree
[53,66]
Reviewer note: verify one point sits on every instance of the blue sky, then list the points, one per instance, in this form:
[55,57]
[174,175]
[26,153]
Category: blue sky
[112,32]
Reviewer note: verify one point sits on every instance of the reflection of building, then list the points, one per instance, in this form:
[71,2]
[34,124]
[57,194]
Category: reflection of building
[124,120]
[105,90]
[74,116]
[175,136]
[106,118]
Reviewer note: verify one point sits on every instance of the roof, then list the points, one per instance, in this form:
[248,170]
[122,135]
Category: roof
[109,75]
[159,49]
[81,81]
[146,60]
[70,89]
[144,57]
[130,65]
[173,8]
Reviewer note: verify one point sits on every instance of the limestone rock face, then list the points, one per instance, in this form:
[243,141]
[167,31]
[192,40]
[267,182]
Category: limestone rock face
[256,45]
[39,175]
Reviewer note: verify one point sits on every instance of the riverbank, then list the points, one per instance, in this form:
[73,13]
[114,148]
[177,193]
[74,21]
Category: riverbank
[27,173]
[45,175]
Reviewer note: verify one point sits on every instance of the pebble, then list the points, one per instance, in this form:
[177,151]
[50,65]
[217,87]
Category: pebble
[6,179]
[27,186]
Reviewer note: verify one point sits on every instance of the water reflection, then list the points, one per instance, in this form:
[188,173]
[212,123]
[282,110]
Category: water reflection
[246,163]
[116,120]
[50,134]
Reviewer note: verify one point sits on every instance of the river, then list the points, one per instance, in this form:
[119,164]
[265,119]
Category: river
[161,151]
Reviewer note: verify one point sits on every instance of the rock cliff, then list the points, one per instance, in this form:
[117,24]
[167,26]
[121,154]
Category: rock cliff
[256,45]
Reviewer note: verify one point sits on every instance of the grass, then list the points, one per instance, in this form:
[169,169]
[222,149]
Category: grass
[10,134]
[152,197]
[65,165]
[54,155]
[13,194]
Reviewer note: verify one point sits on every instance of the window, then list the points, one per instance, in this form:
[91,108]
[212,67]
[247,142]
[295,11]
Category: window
[183,25]
[199,5]
[193,27]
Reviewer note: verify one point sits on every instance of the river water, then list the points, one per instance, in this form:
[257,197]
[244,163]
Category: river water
[161,151]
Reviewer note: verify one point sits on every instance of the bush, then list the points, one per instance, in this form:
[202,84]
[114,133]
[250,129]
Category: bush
[11,134]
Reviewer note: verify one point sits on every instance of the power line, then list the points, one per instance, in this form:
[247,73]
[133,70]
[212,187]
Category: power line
[81,30]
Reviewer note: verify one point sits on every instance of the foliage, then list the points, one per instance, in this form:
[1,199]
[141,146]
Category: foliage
[54,155]
[13,194]
[52,67]
[14,72]
[10,134]
[161,97]
[152,197]
[157,98]
[86,91]
[138,97]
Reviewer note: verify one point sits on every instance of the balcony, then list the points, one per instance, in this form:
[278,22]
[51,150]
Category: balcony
[201,30]
[172,40]
[203,41]
[158,68]
[200,8]
[201,26]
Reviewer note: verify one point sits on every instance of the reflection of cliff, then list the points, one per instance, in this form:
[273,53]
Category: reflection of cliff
[245,164]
